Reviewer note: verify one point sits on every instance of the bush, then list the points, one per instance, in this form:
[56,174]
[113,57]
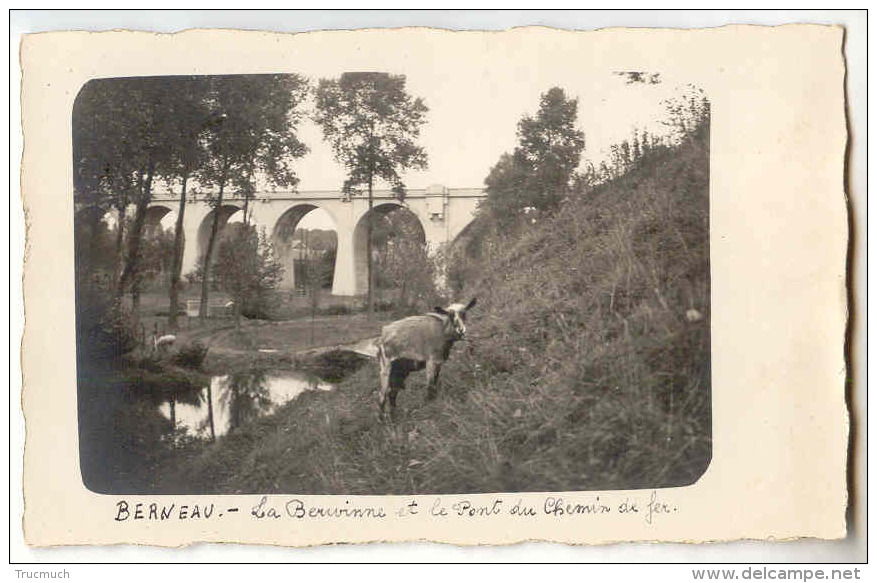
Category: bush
[337,310]
[190,355]
[261,307]
[194,277]
[104,332]
[384,305]
[248,269]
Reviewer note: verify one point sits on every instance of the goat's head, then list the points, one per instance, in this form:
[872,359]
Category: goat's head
[456,314]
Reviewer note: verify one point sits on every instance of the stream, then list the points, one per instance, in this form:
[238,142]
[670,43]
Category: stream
[241,397]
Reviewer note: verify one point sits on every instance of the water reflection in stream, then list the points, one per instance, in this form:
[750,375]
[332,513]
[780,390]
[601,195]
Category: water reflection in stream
[241,397]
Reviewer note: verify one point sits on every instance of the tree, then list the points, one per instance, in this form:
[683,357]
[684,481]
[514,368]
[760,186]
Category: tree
[688,115]
[156,255]
[147,120]
[92,196]
[316,257]
[192,118]
[402,258]
[539,172]
[248,269]
[406,262]
[257,140]
[372,124]
[95,254]
[551,147]
[115,153]
[507,190]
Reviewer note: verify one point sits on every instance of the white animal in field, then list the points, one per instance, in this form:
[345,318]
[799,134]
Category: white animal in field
[415,343]
[161,343]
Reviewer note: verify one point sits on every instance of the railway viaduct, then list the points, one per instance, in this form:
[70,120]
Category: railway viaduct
[442,213]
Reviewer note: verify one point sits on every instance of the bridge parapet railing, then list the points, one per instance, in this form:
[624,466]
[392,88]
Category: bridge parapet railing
[268,195]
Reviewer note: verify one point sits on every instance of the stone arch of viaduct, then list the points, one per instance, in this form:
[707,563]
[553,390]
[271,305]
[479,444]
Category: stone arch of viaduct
[442,212]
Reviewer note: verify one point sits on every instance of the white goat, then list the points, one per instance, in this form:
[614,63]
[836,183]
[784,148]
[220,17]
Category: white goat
[415,343]
[160,343]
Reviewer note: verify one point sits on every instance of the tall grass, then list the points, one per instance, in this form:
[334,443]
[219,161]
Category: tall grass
[594,376]
[585,367]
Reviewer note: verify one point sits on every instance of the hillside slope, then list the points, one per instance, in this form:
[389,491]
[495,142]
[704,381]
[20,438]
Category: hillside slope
[587,367]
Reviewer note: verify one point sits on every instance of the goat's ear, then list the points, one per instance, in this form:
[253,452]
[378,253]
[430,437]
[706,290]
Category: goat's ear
[441,310]
[471,303]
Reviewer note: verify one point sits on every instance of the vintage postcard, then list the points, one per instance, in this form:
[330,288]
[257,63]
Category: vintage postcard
[413,284]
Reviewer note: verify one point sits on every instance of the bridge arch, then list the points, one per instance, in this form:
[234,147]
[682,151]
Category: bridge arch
[225,212]
[282,237]
[157,215]
[405,223]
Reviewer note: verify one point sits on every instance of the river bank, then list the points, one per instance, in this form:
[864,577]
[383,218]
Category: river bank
[322,344]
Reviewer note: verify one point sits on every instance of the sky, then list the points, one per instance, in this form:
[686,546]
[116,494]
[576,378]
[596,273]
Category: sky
[477,87]
[467,130]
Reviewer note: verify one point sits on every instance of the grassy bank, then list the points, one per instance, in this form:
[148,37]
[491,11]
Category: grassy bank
[587,367]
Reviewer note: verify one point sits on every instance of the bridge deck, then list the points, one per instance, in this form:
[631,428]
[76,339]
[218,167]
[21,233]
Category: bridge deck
[329,195]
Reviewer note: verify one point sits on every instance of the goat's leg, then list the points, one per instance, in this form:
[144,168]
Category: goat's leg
[385,382]
[398,373]
[432,373]
[392,397]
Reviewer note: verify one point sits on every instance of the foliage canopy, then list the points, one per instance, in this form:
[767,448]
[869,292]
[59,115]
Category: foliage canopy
[372,124]
[539,173]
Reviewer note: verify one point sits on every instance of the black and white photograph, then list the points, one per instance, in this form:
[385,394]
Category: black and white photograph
[357,286]
[296,285]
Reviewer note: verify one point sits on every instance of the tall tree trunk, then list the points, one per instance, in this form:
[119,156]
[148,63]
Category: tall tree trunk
[210,412]
[135,297]
[314,302]
[173,406]
[135,236]
[177,265]
[247,199]
[120,240]
[205,271]
[238,301]
[368,246]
